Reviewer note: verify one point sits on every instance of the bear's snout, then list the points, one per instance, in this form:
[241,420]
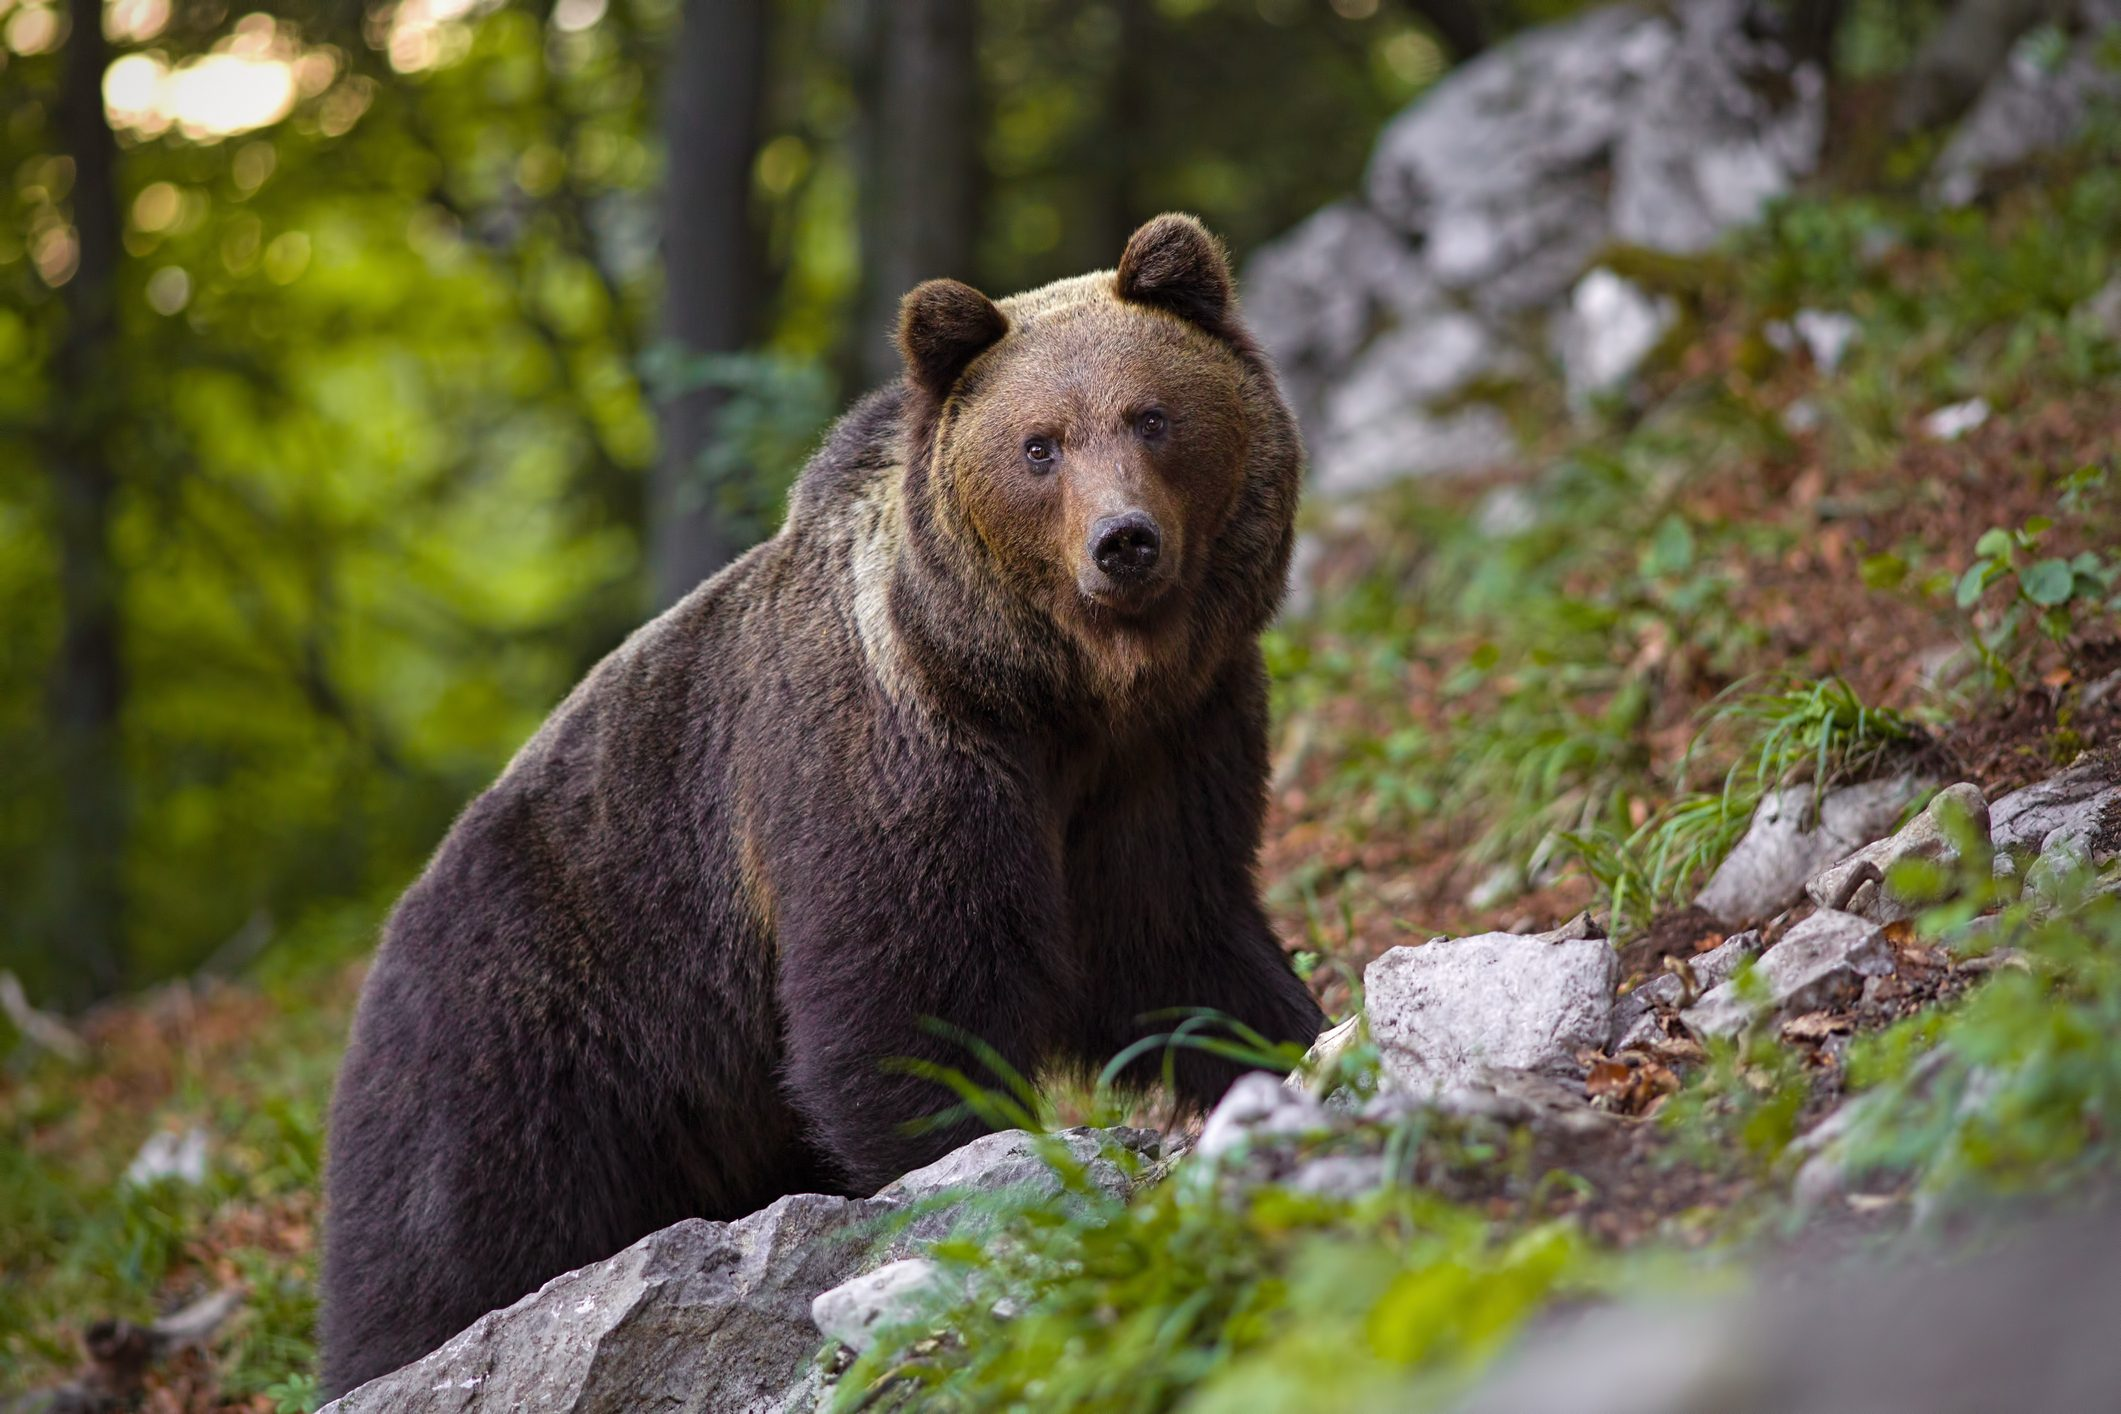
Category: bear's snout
[1126,546]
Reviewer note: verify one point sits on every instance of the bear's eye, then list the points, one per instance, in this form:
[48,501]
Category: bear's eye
[1040,452]
[1152,424]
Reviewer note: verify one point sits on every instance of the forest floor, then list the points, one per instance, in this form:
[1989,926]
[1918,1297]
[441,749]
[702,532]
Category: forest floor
[1557,687]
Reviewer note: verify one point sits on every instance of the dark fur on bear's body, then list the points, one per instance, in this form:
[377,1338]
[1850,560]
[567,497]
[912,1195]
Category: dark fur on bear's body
[908,759]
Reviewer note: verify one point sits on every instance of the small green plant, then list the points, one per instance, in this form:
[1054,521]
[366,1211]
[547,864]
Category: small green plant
[2045,593]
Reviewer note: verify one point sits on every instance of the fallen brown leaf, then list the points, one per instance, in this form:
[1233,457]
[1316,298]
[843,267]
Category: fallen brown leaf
[1817,1025]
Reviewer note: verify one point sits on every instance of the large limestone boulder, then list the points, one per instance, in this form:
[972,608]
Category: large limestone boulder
[1501,167]
[717,1317]
[1486,201]
[2042,100]
[703,1316]
[1448,1013]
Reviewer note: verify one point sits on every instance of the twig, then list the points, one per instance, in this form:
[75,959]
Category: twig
[40,1027]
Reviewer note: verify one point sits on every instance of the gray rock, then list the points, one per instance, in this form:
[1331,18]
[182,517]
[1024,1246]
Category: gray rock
[1378,422]
[1633,1020]
[1496,1095]
[1608,329]
[1486,199]
[1016,1158]
[1784,846]
[1500,165]
[1930,837]
[1802,415]
[1366,341]
[1442,1012]
[1524,1098]
[2025,1324]
[713,1316]
[170,1155]
[702,1316]
[2035,105]
[893,1295]
[1824,1170]
[2102,311]
[1257,1107]
[2068,863]
[1954,420]
[2082,803]
[1826,335]
[1505,511]
[1725,124]
[1318,295]
[1321,1062]
[1821,962]
[1338,1175]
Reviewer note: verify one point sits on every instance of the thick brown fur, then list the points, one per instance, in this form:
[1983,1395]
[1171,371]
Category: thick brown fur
[912,758]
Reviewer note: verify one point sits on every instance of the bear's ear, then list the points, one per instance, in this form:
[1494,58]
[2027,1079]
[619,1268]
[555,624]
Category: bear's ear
[942,326]
[1174,264]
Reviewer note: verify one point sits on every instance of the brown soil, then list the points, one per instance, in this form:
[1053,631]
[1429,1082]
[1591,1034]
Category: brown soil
[1928,505]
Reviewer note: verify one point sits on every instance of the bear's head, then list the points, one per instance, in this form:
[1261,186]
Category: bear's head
[1107,458]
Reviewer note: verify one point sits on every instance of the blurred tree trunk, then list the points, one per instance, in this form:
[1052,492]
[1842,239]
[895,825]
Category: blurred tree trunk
[1812,26]
[714,268]
[1458,23]
[1969,48]
[87,690]
[920,161]
[1121,137]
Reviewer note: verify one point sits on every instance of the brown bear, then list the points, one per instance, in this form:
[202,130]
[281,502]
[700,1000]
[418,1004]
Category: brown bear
[978,737]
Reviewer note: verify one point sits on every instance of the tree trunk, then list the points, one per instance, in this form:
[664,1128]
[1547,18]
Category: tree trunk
[87,689]
[1811,27]
[1121,135]
[921,163]
[1458,23]
[714,275]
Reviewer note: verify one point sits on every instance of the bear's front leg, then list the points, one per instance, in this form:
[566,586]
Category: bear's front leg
[939,902]
[1164,902]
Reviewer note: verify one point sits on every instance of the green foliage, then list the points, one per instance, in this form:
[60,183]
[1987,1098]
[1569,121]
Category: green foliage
[1820,731]
[379,401]
[773,408]
[2047,593]
[79,1242]
[1260,1300]
[2017,1087]
[1951,303]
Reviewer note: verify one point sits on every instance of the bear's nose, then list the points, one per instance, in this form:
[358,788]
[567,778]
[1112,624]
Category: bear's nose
[1125,546]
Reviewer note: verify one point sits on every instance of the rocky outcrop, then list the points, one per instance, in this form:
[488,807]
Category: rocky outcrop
[892,1295]
[1486,203]
[1470,259]
[718,1317]
[1866,883]
[2043,99]
[704,1316]
[2081,806]
[1821,962]
[1634,1016]
[1795,833]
